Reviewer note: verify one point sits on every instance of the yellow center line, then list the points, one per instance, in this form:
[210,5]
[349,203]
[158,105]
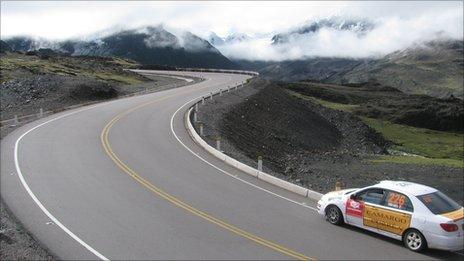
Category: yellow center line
[161,193]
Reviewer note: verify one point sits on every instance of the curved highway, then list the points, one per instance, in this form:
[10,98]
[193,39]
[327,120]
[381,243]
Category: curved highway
[123,180]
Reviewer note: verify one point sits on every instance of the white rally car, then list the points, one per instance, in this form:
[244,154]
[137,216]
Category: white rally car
[418,215]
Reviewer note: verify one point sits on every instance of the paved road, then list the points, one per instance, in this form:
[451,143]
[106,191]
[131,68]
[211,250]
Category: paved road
[123,180]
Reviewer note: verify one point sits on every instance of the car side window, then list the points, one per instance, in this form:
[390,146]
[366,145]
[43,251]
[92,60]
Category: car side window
[373,195]
[399,201]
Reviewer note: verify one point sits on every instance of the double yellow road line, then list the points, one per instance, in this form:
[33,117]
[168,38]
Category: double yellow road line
[177,202]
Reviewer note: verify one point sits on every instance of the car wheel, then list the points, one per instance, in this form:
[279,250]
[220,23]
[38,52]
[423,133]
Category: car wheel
[414,240]
[334,215]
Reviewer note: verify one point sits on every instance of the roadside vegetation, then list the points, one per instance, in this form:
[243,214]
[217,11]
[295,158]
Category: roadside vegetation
[380,109]
[109,70]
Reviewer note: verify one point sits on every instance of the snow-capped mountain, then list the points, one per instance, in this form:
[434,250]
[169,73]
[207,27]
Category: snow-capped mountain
[218,41]
[359,27]
[237,37]
[214,39]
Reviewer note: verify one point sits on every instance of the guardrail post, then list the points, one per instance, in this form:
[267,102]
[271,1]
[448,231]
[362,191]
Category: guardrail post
[201,129]
[15,121]
[218,143]
[202,100]
[220,92]
[41,113]
[211,96]
[260,163]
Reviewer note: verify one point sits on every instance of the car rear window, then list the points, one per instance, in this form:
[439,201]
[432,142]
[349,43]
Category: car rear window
[439,203]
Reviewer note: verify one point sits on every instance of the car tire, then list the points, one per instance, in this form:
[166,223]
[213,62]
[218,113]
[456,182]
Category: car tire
[414,240]
[334,215]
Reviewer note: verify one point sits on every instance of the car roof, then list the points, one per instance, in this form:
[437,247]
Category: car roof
[406,187]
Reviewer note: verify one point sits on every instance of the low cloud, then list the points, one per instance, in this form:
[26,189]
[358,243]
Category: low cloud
[388,35]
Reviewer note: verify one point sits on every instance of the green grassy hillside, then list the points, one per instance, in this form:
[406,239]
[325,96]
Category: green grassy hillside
[105,69]
[411,145]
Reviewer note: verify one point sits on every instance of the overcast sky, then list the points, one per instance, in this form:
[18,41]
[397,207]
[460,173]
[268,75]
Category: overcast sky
[63,19]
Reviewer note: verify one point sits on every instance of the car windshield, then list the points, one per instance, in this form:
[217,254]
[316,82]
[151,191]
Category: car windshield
[438,203]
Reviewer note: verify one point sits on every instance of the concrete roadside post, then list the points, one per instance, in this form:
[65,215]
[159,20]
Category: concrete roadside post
[195,117]
[228,89]
[220,92]
[202,100]
[211,96]
[15,121]
[218,143]
[41,113]
[196,107]
[201,128]
[260,163]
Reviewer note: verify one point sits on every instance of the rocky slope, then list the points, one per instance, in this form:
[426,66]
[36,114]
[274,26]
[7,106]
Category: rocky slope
[47,80]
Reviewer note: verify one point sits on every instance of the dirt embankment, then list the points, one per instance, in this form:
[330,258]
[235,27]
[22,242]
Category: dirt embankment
[308,144]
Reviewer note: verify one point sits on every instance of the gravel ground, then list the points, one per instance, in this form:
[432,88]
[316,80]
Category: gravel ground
[308,144]
[16,243]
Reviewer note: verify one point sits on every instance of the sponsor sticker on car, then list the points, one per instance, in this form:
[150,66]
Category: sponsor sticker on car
[355,208]
[388,220]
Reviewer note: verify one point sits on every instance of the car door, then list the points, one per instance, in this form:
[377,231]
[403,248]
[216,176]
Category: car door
[357,207]
[393,217]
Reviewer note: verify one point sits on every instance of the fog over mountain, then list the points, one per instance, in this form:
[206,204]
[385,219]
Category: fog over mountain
[344,38]
[147,45]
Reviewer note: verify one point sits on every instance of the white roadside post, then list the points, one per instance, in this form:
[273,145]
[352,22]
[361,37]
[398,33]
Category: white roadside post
[202,100]
[220,92]
[195,117]
[260,163]
[218,143]
[201,129]
[41,113]
[211,96]
[15,121]
[196,106]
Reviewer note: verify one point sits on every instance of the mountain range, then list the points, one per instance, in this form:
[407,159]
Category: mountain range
[357,26]
[149,45]
[433,68]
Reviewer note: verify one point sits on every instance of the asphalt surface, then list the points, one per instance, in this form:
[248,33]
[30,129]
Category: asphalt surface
[123,180]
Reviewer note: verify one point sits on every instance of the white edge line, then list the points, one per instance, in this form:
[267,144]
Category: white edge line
[36,200]
[34,197]
[223,171]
